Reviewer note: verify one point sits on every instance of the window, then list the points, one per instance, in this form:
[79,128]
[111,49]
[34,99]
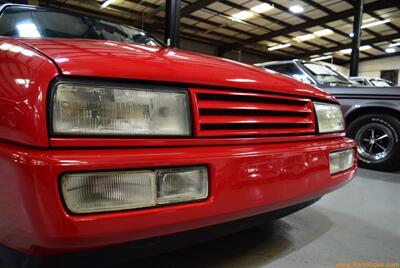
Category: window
[34,22]
[290,69]
[325,75]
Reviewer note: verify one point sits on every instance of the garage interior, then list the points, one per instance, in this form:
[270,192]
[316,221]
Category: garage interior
[359,222]
[230,29]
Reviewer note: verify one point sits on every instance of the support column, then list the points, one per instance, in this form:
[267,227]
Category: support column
[355,52]
[172,23]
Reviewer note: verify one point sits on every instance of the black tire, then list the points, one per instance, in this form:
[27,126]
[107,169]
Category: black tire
[375,152]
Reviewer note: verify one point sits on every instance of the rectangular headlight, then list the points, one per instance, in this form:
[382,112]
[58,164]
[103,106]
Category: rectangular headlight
[177,185]
[330,117]
[85,109]
[121,190]
[341,161]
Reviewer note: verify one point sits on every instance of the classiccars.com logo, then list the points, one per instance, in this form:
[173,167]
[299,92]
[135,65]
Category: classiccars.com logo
[368,264]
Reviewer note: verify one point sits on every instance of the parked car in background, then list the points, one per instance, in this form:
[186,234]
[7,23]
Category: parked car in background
[371,82]
[112,143]
[372,113]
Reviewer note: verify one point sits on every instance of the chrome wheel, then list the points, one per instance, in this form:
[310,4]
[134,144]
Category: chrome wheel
[375,142]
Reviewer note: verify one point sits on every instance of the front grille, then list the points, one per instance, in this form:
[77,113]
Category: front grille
[238,113]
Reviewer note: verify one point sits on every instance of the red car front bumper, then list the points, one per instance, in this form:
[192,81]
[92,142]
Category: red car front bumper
[245,180]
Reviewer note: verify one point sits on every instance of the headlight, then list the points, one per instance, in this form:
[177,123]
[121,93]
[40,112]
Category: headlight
[329,117]
[89,192]
[341,161]
[84,109]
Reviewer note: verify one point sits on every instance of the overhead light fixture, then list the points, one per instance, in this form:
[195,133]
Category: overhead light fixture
[315,34]
[349,50]
[390,50]
[106,3]
[242,15]
[371,24]
[279,47]
[296,9]
[395,44]
[261,8]
[365,47]
[346,51]
[321,58]
[375,23]
[314,56]
[304,37]
[323,32]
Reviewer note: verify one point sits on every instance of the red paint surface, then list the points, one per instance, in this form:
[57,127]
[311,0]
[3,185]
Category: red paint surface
[248,175]
[244,181]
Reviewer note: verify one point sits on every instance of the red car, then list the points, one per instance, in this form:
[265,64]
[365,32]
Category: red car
[109,141]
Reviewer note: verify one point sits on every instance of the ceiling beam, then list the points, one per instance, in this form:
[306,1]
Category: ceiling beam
[375,57]
[311,23]
[370,41]
[197,5]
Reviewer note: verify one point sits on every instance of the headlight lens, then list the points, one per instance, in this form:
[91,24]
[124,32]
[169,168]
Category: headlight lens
[330,117]
[341,161]
[90,192]
[99,110]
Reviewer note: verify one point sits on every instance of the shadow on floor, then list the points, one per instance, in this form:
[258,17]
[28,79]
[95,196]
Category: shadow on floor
[265,243]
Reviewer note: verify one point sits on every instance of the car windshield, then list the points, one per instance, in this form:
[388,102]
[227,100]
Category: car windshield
[31,22]
[325,75]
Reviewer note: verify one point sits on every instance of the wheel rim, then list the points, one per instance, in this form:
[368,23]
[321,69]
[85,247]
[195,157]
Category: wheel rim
[375,142]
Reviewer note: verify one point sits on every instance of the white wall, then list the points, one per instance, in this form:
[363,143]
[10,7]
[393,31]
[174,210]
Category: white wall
[373,68]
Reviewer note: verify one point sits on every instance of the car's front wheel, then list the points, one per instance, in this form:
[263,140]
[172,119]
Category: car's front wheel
[378,139]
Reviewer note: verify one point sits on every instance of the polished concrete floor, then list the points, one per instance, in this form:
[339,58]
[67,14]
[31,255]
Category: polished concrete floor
[358,223]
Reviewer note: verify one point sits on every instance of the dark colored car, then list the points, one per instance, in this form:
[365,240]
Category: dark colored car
[109,141]
[372,113]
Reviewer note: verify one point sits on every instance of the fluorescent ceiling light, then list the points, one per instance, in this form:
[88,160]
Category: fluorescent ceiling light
[296,9]
[371,24]
[348,50]
[321,58]
[365,47]
[106,3]
[390,50]
[375,23]
[243,15]
[279,47]
[323,32]
[345,51]
[315,34]
[395,44]
[261,8]
[305,37]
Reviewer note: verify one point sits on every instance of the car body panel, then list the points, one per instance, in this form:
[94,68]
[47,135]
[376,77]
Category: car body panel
[244,181]
[248,176]
[24,79]
[93,58]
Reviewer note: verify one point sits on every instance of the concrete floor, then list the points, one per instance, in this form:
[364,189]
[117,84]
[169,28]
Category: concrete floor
[360,222]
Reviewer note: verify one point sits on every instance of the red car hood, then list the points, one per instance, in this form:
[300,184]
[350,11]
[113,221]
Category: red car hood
[107,59]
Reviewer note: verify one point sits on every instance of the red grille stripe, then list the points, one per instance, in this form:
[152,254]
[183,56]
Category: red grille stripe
[237,113]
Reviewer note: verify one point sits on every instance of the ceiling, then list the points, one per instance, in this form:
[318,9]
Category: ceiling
[213,22]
